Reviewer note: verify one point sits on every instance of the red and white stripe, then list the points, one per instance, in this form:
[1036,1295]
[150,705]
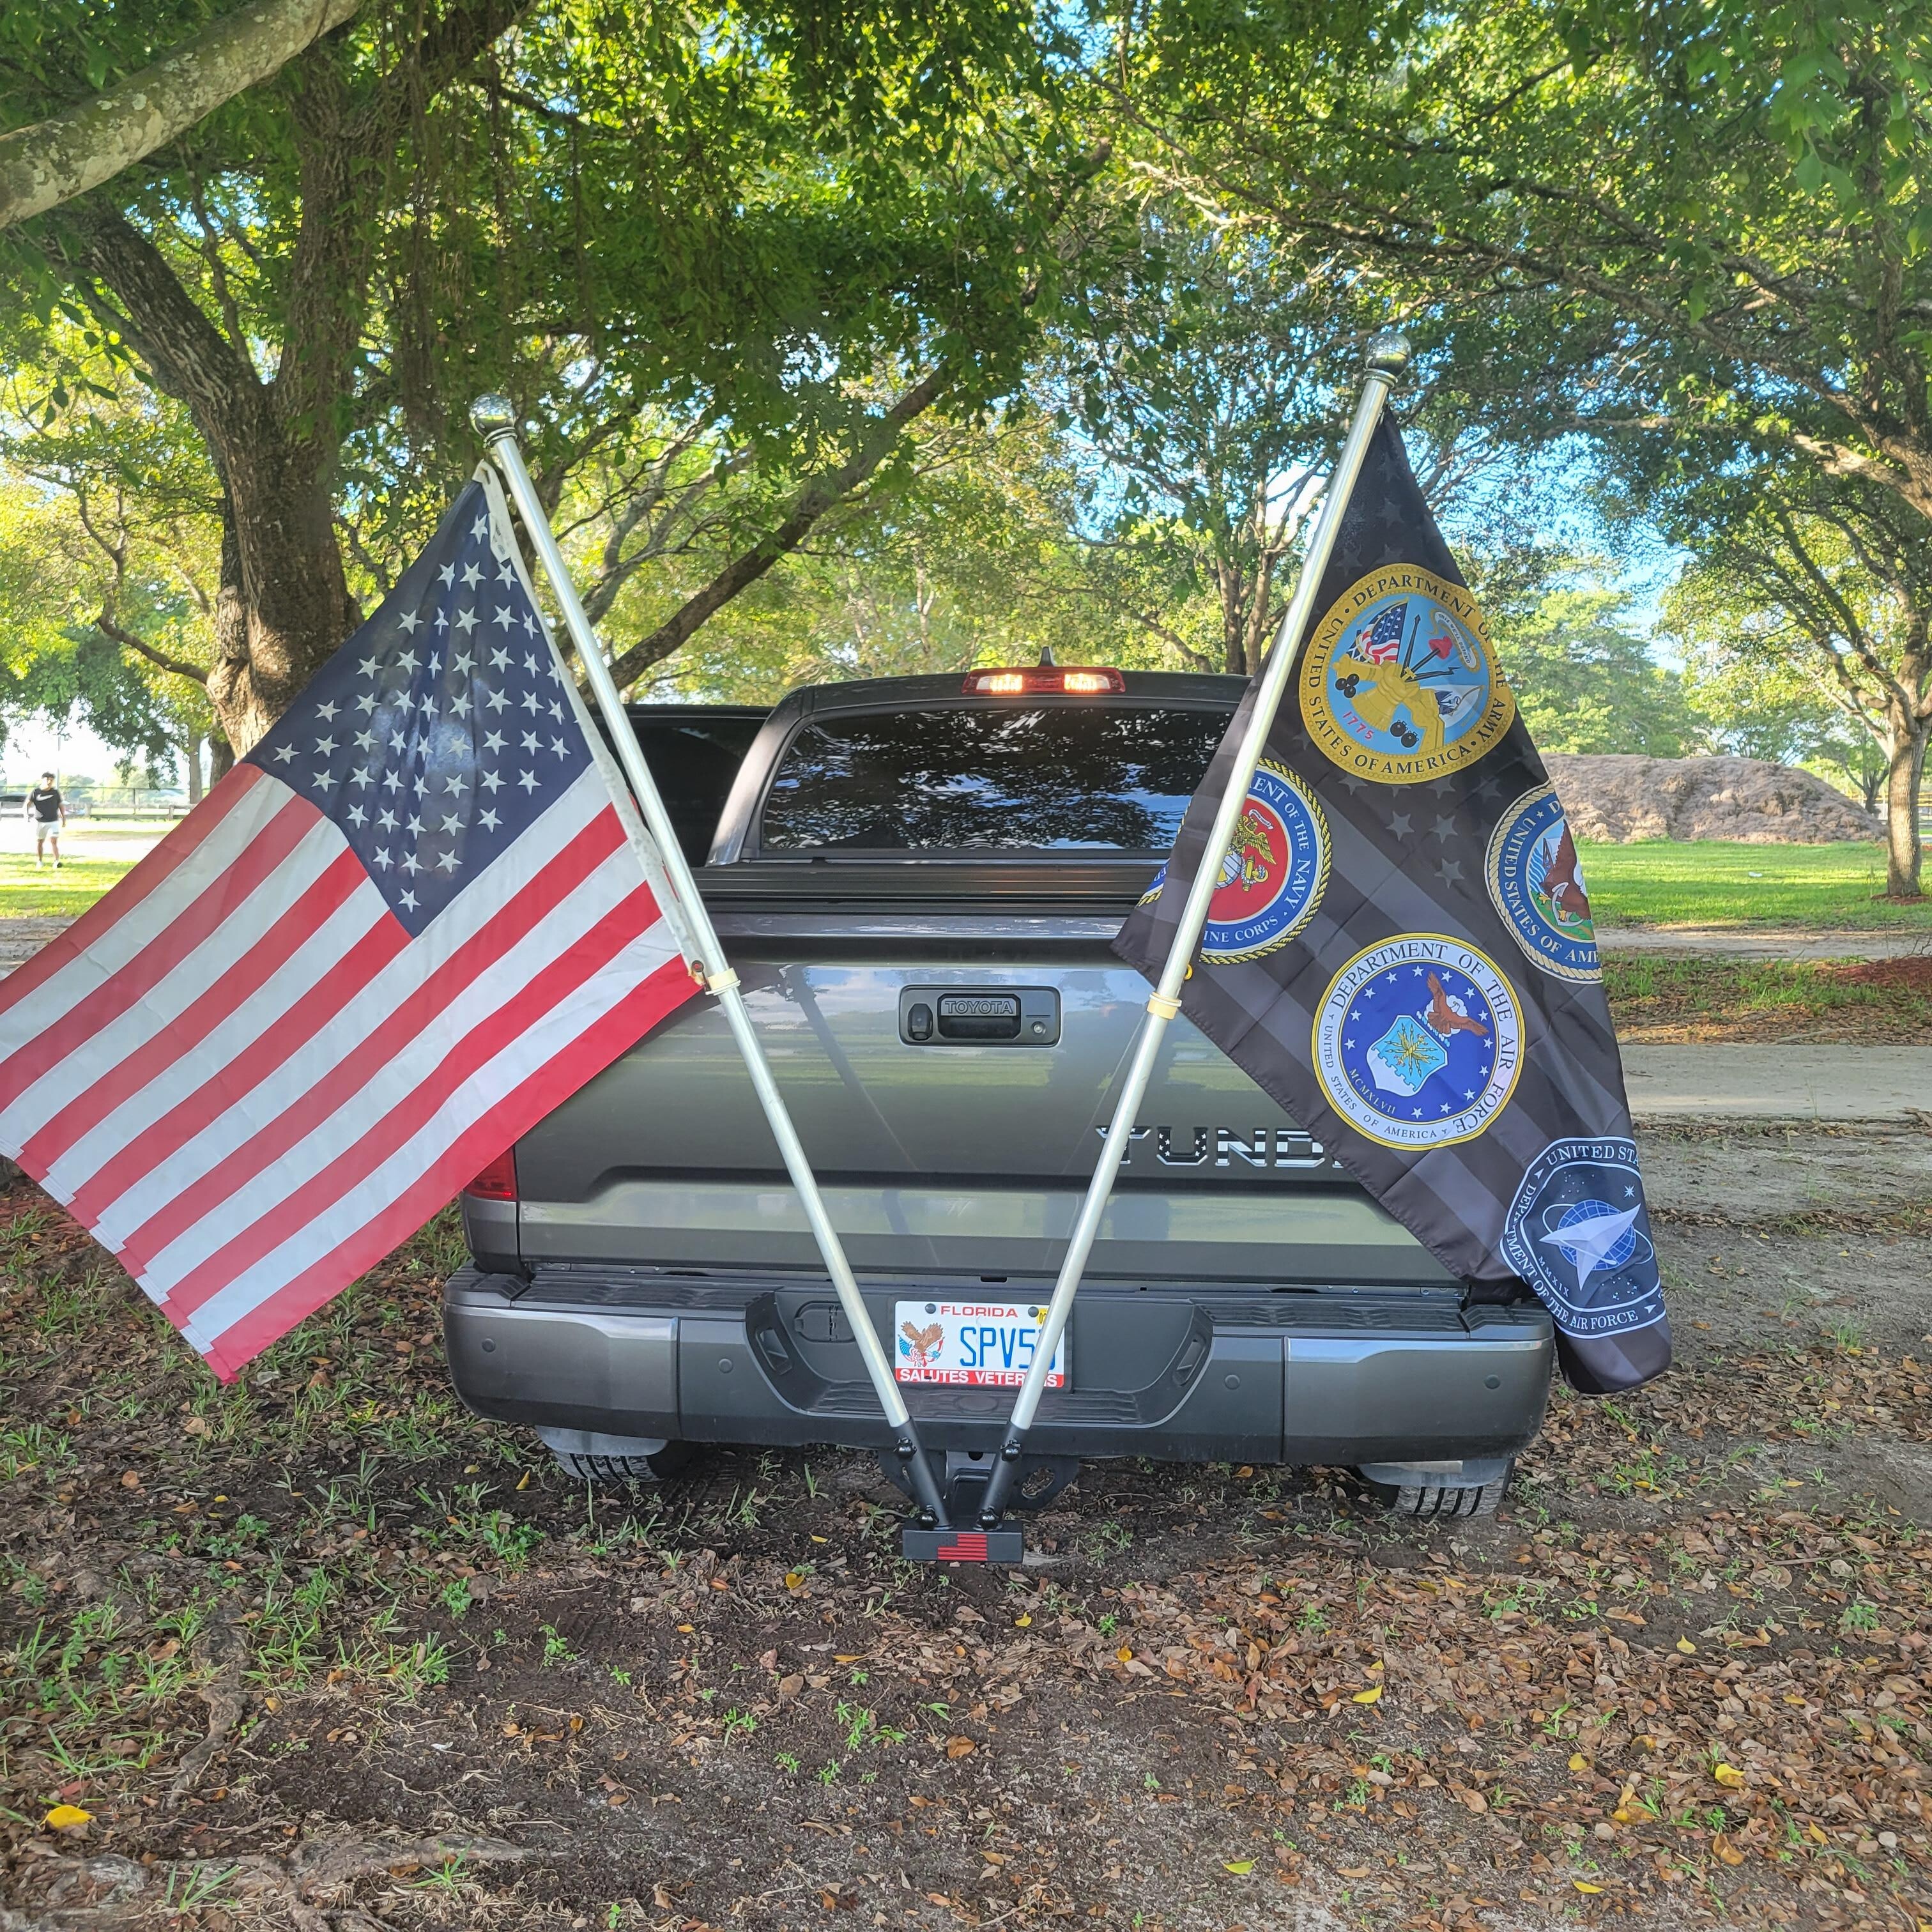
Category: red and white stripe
[244,1076]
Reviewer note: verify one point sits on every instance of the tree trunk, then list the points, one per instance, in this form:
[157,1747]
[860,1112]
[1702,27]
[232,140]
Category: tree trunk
[220,759]
[192,759]
[1258,614]
[1905,775]
[290,606]
[1229,582]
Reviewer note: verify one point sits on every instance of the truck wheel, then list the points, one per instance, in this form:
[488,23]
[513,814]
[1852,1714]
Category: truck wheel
[1434,1500]
[671,1460]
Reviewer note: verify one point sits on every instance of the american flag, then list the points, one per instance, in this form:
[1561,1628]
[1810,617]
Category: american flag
[421,913]
[1382,638]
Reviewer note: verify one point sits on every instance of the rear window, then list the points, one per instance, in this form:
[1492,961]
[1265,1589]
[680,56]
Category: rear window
[1019,778]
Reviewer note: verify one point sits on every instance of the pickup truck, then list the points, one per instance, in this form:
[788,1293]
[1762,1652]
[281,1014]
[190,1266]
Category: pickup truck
[918,880]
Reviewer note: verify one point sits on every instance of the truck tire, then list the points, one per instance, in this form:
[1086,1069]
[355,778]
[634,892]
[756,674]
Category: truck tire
[1433,1500]
[670,1461]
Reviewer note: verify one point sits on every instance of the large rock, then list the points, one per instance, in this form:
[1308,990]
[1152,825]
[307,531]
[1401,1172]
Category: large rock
[1620,797]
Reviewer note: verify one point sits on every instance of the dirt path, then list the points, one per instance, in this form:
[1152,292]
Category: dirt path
[1781,1082]
[1681,1680]
[1726,942]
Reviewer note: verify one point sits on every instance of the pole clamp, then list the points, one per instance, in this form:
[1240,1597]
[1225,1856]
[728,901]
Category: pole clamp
[720,981]
[1162,1007]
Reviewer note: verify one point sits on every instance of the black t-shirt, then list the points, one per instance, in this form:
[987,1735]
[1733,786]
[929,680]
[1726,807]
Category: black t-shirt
[44,802]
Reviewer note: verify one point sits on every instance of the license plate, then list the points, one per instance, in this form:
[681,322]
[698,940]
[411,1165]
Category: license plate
[970,1344]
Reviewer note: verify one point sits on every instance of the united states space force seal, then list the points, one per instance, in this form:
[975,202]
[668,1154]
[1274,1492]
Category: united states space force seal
[1579,1233]
[1400,683]
[1418,1042]
[1272,873]
[1536,881]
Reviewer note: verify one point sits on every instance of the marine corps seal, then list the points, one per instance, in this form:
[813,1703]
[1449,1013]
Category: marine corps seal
[1273,873]
[1400,683]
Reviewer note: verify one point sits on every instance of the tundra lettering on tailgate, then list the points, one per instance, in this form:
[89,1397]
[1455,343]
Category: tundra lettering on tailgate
[1222,1147]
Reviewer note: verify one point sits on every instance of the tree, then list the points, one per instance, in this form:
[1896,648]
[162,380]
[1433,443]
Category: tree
[60,660]
[1705,215]
[745,219]
[1205,371]
[112,505]
[1765,707]
[975,557]
[1584,680]
[1828,577]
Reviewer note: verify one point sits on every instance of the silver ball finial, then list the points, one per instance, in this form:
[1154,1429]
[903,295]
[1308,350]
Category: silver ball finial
[1388,354]
[493,416]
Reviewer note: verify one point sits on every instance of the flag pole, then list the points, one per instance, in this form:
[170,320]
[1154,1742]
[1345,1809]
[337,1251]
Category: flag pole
[1388,356]
[494,417]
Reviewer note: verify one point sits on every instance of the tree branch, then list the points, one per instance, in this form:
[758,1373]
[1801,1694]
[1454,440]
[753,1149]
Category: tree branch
[108,628]
[819,495]
[53,160]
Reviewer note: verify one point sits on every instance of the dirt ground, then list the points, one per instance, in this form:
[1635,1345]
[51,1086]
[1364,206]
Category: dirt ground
[321,1651]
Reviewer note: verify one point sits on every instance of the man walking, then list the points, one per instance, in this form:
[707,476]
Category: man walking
[46,812]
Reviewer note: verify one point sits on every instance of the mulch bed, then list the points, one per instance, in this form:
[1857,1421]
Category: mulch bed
[1671,1000]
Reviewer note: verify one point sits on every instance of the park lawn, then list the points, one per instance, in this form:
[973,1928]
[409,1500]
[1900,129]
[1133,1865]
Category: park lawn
[1664,1001]
[26,893]
[1706,882]
[1660,882]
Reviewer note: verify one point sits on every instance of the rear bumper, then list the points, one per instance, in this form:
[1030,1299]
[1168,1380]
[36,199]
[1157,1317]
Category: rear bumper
[1211,1374]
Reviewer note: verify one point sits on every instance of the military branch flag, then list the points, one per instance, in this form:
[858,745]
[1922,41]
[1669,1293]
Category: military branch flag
[1400,951]
[419,914]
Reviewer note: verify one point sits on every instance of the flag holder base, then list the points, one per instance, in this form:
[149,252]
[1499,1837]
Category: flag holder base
[1002,1544]
[962,1481]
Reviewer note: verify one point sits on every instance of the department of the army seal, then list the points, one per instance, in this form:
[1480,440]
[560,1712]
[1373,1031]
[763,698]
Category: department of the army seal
[1400,683]
[1418,1041]
[1579,1233]
[1536,881]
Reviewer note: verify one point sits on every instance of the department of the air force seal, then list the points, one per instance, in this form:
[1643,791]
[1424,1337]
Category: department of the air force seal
[1273,874]
[1537,883]
[1400,683]
[1418,1041]
[1579,1233]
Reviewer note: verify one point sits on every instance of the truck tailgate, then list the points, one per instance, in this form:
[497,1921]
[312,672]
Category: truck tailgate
[937,1155]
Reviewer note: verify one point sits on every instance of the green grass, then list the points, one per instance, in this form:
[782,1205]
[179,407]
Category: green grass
[1707,883]
[27,894]
[1660,882]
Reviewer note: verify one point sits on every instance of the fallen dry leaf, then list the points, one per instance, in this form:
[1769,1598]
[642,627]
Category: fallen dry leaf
[957,1748]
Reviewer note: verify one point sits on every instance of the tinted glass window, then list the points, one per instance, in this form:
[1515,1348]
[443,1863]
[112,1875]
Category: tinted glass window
[1027,777]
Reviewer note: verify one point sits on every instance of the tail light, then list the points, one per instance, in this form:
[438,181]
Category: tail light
[498,1181]
[1075,681]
